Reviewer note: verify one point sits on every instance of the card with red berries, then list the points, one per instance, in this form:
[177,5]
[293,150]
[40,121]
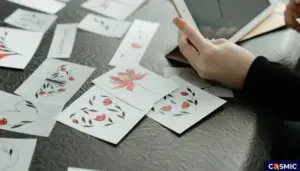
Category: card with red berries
[55,81]
[184,107]
[101,115]
[21,115]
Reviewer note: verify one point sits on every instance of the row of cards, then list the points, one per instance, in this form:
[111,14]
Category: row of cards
[18,46]
[118,9]
[114,105]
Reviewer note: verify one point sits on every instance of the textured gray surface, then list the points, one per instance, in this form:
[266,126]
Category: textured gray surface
[232,138]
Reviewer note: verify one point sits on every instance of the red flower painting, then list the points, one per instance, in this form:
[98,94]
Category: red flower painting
[185,105]
[4,49]
[136,46]
[107,102]
[126,79]
[166,108]
[3,121]
[101,117]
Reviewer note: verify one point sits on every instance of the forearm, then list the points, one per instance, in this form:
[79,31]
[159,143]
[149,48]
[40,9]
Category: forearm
[274,86]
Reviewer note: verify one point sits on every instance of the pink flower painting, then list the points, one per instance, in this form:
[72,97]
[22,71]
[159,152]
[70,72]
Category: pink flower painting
[5,51]
[127,79]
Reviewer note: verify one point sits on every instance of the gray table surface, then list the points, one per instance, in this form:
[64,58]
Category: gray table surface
[232,138]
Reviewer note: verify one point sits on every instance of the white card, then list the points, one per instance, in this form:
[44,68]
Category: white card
[47,6]
[101,115]
[135,43]
[16,154]
[192,77]
[135,85]
[184,107]
[55,81]
[104,26]
[118,9]
[29,20]
[24,116]
[17,47]
[63,41]
[79,169]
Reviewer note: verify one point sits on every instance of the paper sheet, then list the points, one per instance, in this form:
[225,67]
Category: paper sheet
[104,26]
[47,6]
[29,20]
[135,43]
[55,81]
[17,47]
[101,115]
[16,154]
[63,41]
[184,107]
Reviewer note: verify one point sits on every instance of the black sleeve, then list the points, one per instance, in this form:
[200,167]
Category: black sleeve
[275,87]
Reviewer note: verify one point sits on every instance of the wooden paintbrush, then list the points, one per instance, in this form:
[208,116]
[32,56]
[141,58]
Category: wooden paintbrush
[180,16]
[177,10]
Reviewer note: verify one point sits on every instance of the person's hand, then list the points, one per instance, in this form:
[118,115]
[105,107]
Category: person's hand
[291,13]
[216,60]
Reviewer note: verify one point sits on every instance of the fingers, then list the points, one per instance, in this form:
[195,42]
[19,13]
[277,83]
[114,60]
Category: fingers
[296,1]
[291,14]
[192,34]
[185,48]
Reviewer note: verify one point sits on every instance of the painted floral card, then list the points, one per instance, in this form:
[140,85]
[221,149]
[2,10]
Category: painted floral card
[26,116]
[135,85]
[16,154]
[192,77]
[17,47]
[101,115]
[184,107]
[55,81]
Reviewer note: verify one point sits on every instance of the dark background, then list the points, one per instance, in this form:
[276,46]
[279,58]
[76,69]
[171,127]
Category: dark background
[223,18]
[235,137]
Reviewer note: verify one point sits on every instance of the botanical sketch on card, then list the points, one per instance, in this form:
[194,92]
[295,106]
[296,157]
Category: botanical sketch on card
[56,82]
[178,103]
[8,155]
[101,115]
[17,47]
[184,107]
[16,154]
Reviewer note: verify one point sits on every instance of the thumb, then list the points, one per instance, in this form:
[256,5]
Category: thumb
[192,34]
